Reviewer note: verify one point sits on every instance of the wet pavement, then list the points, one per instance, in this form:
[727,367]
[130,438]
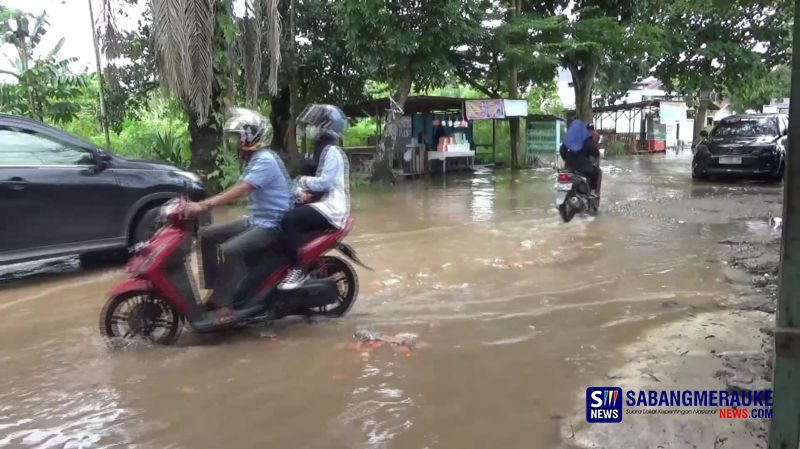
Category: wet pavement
[514,313]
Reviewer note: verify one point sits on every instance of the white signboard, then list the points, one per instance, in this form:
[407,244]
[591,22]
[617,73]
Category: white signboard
[516,108]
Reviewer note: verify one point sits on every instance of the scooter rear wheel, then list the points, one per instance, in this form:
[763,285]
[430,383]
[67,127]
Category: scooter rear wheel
[341,272]
[566,210]
[142,315]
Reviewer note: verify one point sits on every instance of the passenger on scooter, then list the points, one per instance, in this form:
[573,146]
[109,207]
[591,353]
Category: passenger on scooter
[267,185]
[578,149]
[325,125]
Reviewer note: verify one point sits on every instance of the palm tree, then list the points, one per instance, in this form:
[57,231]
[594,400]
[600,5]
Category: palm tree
[188,34]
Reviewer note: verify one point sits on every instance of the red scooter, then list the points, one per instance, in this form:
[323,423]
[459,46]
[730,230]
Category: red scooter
[161,294]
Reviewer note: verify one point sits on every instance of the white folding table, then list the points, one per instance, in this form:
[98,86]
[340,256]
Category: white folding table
[444,155]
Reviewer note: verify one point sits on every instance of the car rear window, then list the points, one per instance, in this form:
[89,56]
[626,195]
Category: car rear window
[746,127]
[26,149]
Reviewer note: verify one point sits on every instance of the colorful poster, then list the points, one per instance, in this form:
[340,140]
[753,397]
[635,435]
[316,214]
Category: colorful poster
[484,109]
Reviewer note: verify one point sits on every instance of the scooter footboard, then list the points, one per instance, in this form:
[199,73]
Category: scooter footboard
[208,261]
[314,293]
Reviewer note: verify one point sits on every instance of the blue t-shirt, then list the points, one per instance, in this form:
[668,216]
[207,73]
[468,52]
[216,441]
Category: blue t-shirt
[271,196]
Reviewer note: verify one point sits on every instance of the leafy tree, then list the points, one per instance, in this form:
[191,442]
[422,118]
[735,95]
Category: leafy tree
[775,84]
[404,42]
[129,80]
[44,86]
[317,67]
[602,37]
[544,99]
[533,38]
[721,46]
[504,57]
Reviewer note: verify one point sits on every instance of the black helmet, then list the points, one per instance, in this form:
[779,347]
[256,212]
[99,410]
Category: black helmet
[328,119]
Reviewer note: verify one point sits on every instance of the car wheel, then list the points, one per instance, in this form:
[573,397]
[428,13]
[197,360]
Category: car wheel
[697,171]
[147,225]
[778,177]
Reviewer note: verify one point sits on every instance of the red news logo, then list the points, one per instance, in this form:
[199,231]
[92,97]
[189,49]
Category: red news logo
[743,413]
[733,413]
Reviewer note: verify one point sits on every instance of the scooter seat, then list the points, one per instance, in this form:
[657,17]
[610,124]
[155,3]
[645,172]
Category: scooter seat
[323,242]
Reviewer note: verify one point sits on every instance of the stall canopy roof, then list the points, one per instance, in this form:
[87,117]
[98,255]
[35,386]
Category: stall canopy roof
[414,104]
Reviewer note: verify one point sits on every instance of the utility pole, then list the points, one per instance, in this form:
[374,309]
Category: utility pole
[103,115]
[784,432]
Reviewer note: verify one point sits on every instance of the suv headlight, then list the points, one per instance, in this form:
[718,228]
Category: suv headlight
[189,175]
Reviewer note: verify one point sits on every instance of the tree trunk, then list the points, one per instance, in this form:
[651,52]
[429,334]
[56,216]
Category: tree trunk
[513,87]
[283,128]
[204,140]
[514,122]
[583,84]
[382,167]
[701,112]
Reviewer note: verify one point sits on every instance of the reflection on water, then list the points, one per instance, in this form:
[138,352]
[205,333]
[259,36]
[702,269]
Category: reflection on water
[515,312]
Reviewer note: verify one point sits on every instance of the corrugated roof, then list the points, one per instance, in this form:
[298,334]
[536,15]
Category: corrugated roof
[414,104]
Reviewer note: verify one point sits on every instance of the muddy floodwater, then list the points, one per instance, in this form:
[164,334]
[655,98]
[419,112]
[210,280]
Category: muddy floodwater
[515,313]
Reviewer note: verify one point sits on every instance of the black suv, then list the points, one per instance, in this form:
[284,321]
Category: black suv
[743,145]
[60,195]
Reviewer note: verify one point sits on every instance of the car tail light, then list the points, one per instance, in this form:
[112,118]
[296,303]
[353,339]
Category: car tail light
[564,177]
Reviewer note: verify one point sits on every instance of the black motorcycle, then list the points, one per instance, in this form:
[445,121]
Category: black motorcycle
[574,196]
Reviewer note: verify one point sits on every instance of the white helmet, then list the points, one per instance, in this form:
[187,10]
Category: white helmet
[252,129]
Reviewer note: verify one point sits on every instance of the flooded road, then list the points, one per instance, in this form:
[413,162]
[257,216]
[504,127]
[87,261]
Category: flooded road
[516,313]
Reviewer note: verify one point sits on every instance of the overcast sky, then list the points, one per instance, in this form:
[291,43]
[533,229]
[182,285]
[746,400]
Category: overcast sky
[68,19]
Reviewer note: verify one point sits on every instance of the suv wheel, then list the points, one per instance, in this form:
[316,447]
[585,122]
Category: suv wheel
[778,177]
[146,225]
[697,172]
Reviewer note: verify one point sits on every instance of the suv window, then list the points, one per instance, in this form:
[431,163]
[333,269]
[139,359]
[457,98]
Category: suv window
[25,148]
[746,127]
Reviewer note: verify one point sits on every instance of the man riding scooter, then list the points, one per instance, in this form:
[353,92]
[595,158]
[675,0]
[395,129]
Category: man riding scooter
[579,148]
[267,186]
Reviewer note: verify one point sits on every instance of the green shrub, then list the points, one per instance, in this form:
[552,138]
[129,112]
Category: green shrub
[229,168]
[359,181]
[168,148]
[616,148]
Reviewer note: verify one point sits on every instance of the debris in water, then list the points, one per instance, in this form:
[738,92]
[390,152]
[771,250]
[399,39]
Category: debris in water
[371,339]
[527,244]
[390,282]
[776,222]
[271,336]
[447,265]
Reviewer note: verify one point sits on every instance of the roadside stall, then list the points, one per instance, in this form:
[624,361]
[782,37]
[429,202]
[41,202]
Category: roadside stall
[433,133]
[544,134]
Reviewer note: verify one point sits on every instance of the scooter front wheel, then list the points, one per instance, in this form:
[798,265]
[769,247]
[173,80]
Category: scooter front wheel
[140,315]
